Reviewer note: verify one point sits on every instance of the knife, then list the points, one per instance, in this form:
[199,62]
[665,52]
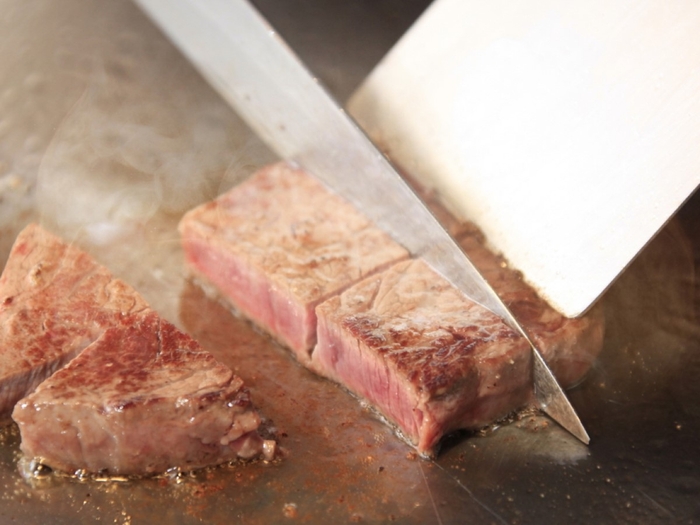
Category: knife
[252,68]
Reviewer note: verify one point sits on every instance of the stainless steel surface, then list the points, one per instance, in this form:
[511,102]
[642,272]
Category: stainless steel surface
[97,112]
[553,102]
[244,59]
[551,398]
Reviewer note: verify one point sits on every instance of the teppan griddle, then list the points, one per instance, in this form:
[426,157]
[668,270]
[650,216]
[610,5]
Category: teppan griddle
[107,136]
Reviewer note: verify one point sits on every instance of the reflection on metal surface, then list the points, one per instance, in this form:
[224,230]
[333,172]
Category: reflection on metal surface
[552,399]
[640,401]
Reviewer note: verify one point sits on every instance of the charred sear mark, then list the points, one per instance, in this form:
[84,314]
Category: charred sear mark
[405,336]
[366,329]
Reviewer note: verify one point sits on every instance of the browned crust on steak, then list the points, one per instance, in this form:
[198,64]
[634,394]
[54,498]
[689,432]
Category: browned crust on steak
[140,396]
[427,357]
[141,399]
[54,301]
[433,354]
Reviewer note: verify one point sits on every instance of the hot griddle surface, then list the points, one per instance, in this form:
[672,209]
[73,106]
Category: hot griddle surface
[107,135]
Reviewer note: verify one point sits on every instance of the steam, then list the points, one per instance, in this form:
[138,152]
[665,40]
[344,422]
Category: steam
[145,137]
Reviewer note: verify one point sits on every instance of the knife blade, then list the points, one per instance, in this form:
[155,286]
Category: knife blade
[252,68]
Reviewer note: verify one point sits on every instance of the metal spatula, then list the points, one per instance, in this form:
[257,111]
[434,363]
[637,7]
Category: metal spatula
[568,131]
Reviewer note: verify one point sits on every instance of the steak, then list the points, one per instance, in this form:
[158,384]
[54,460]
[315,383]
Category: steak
[140,396]
[279,244]
[141,399]
[387,328]
[569,345]
[54,301]
[432,361]
[425,356]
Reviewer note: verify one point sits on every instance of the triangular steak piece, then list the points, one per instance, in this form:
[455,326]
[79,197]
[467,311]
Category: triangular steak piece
[141,399]
[279,244]
[141,396]
[55,300]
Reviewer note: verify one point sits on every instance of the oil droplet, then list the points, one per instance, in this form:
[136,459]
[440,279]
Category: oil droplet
[175,475]
[81,474]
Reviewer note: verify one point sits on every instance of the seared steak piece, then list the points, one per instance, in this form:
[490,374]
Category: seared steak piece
[54,301]
[279,244]
[401,337]
[570,346]
[432,361]
[141,399]
[425,356]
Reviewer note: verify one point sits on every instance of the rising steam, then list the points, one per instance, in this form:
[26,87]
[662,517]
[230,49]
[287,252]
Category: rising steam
[145,137]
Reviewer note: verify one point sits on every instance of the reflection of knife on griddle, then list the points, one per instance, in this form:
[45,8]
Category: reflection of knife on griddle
[241,56]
